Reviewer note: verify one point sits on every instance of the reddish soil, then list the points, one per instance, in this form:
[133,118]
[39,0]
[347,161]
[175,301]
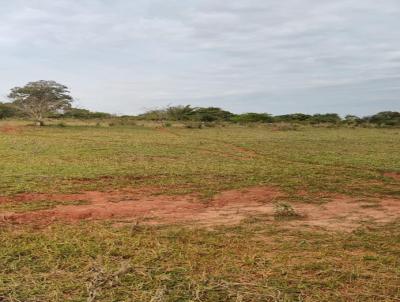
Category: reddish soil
[226,208]
[394,175]
[9,129]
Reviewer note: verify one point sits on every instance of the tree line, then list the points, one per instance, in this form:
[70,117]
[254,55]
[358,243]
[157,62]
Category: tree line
[49,99]
[215,114]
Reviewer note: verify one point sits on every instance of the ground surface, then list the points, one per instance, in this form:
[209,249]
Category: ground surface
[167,214]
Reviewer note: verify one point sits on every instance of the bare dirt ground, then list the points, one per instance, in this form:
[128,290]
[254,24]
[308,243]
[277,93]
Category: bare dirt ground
[393,175]
[10,129]
[337,212]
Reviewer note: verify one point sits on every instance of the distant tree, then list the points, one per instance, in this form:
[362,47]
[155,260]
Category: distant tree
[295,117]
[325,118]
[187,113]
[211,114]
[352,119]
[154,115]
[77,113]
[179,113]
[252,118]
[41,98]
[388,118]
[7,110]
[306,118]
[84,114]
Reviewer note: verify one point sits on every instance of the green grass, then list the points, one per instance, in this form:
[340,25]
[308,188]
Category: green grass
[255,261]
[21,207]
[52,159]
[258,260]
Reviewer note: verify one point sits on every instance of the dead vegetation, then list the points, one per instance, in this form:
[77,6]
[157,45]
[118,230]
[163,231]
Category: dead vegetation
[101,280]
[283,210]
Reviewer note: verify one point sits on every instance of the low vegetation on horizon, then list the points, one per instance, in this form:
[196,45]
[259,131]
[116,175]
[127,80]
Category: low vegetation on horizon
[246,209]
[41,99]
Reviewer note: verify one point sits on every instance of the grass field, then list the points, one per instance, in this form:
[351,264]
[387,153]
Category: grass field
[261,258]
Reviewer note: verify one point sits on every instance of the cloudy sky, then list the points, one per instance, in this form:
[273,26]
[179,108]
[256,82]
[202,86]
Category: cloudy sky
[124,56]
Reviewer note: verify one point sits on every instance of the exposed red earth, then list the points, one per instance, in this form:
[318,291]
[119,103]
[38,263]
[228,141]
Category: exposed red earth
[337,212]
[393,175]
[9,129]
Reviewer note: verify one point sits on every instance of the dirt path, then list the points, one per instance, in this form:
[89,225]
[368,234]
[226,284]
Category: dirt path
[226,208]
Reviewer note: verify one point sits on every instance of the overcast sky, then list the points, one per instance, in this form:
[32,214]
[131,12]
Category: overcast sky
[123,56]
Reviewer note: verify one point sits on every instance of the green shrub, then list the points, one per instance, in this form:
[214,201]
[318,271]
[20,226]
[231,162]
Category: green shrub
[7,111]
[252,118]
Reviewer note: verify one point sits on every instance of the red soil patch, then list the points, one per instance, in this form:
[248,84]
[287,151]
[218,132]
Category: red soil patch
[242,150]
[229,207]
[140,204]
[10,129]
[347,213]
[394,175]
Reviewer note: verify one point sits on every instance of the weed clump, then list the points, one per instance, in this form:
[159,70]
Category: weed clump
[102,280]
[283,210]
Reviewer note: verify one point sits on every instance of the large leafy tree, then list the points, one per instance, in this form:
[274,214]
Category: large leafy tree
[41,98]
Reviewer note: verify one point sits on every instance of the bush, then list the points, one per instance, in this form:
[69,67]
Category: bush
[211,114]
[252,118]
[332,118]
[84,114]
[295,117]
[8,111]
[154,115]
[385,118]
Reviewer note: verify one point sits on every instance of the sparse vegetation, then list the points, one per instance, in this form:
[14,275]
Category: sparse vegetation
[283,210]
[258,259]
[201,115]
[254,261]
[246,152]
[21,207]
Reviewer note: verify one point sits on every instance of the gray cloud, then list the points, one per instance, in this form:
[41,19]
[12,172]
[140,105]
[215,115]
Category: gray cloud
[293,55]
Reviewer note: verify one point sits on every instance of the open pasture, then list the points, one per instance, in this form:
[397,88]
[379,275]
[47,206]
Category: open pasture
[234,213]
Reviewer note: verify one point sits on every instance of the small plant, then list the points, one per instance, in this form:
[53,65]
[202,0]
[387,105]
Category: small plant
[284,210]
